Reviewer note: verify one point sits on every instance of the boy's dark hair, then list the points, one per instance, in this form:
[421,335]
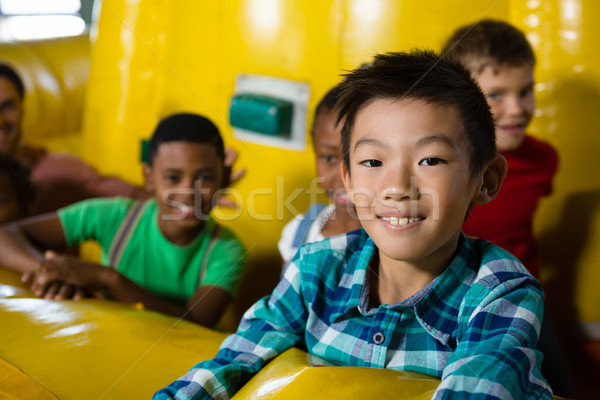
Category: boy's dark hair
[9,73]
[186,127]
[489,42]
[20,179]
[420,75]
[327,103]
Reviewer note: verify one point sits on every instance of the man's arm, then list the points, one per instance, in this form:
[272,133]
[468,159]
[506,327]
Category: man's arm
[495,357]
[55,172]
[96,185]
[271,326]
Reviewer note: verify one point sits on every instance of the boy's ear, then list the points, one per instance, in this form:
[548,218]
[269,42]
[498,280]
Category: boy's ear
[148,181]
[492,177]
[347,181]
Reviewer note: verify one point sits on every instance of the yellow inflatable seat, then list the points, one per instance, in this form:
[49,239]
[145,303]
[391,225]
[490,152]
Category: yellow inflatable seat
[296,374]
[94,349]
[15,385]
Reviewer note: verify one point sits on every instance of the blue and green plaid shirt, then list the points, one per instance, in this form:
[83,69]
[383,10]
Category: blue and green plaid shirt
[475,326]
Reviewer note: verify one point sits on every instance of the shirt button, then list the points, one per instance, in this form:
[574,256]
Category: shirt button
[378,338]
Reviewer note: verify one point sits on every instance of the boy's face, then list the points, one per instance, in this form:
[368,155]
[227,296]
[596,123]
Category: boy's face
[11,113]
[410,179]
[9,203]
[184,177]
[509,92]
[328,151]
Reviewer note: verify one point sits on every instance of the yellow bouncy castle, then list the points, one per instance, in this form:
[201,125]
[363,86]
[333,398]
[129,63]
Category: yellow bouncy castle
[101,96]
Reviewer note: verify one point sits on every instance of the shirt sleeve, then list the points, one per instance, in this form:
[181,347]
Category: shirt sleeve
[225,264]
[271,326]
[287,237]
[495,356]
[96,219]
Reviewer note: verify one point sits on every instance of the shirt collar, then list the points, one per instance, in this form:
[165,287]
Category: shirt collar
[438,311]
[359,251]
[445,291]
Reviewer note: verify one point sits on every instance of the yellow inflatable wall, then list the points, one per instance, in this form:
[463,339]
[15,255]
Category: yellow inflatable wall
[55,74]
[150,58]
[155,57]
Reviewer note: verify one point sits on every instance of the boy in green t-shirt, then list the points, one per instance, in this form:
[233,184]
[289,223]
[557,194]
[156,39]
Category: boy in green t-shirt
[166,253]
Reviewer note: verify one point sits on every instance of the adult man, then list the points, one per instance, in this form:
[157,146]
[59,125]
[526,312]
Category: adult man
[60,179]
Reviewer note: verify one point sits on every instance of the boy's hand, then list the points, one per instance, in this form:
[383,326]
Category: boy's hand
[63,277]
[230,157]
[60,291]
[230,177]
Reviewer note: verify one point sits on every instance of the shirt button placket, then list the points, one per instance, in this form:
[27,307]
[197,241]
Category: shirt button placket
[382,328]
[378,338]
[379,350]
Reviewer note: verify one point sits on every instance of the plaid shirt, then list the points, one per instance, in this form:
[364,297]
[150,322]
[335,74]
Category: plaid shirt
[475,326]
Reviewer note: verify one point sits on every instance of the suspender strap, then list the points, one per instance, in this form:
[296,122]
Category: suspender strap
[126,228]
[305,224]
[213,241]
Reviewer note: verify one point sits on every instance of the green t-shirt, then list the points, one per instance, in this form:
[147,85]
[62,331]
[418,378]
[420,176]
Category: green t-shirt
[148,258]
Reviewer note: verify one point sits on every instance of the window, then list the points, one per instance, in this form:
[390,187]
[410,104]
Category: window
[39,19]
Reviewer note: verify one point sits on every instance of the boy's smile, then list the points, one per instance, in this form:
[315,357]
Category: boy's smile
[509,93]
[410,179]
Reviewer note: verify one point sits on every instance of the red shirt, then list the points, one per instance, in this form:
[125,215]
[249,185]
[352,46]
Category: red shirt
[508,219]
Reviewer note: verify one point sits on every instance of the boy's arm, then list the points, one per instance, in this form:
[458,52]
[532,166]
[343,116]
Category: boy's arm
[220,276]
[271,326]
[16,239]
[207,305]
[495,356]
